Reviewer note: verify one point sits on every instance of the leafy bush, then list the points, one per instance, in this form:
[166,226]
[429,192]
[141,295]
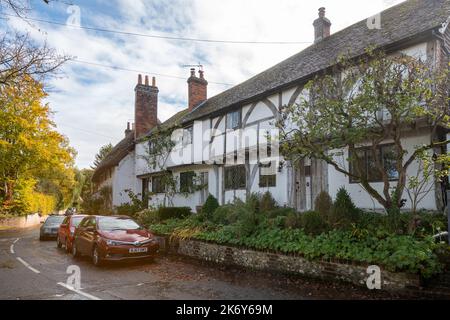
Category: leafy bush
[394,252]
[211,204]
[133,207]
[313,223]
[166,213]
[344,211]
[252,203]
[293,221]
[224,215]
[267,202]
[280,212]
[148,217]
[323,205]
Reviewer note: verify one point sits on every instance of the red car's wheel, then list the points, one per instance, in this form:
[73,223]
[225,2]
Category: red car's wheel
[75,252]
[96,259]
[58,242]
[68,246]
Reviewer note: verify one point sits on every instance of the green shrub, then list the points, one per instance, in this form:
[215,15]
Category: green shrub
[344,211]
[292,221]
[222,215]
[247,215]
[267,202]
[148,217]
[313,223]
[211,204]
[166,213]
[253,203]
[280,212]
[323,205]
[135,205]
[393,252]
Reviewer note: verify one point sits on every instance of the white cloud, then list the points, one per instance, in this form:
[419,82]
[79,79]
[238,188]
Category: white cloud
[93,104]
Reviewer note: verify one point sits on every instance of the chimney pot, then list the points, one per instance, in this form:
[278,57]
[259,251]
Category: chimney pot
[322,12]
[197,89]
[146,81]
[140,79]
[153,82]
[321,26]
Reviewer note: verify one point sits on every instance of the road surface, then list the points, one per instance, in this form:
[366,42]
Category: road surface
[31,269]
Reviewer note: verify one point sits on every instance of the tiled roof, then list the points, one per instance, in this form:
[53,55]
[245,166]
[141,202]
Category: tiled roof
[401,22]
[113,158]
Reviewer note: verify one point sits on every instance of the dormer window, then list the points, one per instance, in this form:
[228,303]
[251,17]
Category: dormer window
[187,136]
[234,120]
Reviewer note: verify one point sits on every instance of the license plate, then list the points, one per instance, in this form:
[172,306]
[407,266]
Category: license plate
[137,250]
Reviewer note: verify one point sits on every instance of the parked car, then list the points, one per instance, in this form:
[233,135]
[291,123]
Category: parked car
[113,238]
[67,230]
[49,229]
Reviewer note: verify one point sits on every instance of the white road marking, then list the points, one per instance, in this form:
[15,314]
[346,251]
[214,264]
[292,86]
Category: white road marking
[12,246]
[87,295]
[27,265]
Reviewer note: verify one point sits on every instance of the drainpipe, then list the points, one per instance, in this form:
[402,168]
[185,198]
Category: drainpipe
[448,215]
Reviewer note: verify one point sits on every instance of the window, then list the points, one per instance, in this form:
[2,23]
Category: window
[235,178]
[158,184]
[366,163]
[187,136]
[150,147]
[187,182]
[267,175]
[234,120]
[145,183]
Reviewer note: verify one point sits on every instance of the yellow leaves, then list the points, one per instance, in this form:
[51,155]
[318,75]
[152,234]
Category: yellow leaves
[29,144]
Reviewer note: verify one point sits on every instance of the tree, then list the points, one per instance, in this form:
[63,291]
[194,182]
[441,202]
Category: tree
[369,101]
[18,7]
[429,170]
[101,155]
[32,153]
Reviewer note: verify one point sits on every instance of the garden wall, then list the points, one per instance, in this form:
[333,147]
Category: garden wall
[21,222]
[266,261]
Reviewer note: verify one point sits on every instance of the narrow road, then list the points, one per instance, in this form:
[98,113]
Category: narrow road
[31,269]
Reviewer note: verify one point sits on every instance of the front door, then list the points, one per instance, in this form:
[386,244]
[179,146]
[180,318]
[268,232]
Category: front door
[303,185]
[205,191]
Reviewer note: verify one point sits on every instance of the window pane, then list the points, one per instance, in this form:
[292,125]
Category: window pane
[373,174]
[186,181]
[234,119]
[235,178]
[187,136]
[390,162]
[267,175]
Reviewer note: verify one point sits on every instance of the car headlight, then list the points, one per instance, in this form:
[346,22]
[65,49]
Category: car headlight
[111,242]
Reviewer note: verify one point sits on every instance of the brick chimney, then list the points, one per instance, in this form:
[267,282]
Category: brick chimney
[145,107]
[321,26]
[197,89]
[128,129]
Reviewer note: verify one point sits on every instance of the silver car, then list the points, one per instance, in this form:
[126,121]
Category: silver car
[49,229]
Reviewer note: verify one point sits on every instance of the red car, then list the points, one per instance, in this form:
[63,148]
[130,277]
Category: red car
[113,238]
[66,231]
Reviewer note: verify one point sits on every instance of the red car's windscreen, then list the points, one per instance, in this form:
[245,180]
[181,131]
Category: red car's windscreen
[114,223]
[76,221]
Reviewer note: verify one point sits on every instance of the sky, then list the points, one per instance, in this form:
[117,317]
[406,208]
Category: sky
[92,104]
